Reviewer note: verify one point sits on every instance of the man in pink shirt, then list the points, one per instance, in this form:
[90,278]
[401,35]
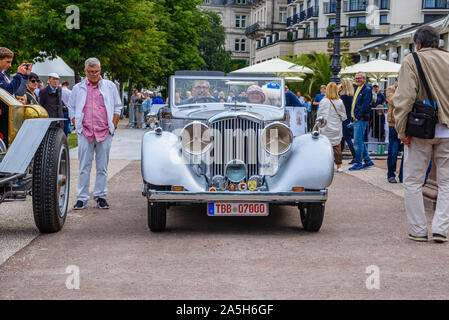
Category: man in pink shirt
[94,108]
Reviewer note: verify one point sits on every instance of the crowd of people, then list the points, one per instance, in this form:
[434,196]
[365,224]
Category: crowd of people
[141,103]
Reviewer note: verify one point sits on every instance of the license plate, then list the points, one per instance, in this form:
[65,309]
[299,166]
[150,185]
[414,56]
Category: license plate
[237,209]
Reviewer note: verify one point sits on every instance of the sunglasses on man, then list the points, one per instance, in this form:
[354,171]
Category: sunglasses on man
[34,81]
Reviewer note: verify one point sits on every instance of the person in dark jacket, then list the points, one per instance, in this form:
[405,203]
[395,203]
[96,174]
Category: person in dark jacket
[51,99]
[346,95]
[33,83]
[360,113]
[291,100]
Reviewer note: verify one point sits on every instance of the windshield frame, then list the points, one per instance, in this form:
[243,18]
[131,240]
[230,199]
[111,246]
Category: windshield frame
[224,78]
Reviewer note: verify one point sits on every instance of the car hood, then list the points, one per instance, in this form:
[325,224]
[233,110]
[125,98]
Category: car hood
[263,113]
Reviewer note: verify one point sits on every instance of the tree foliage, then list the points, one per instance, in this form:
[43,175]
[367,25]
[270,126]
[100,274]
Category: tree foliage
[320,64]
[212,45]
[106,28]
[182,22]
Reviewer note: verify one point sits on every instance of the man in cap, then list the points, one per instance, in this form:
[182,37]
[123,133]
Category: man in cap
[51,99]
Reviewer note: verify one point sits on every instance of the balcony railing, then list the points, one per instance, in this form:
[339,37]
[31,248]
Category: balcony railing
[435,4]
[253,28]
[312,12]
[355,5]
[302,16]
[329,7]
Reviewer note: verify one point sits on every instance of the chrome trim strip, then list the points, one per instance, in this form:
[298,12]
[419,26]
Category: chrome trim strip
[273,197]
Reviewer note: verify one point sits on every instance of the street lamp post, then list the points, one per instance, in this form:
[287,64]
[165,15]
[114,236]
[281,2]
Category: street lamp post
[335,62]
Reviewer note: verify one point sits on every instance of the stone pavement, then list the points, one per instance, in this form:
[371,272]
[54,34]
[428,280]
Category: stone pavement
[17,228]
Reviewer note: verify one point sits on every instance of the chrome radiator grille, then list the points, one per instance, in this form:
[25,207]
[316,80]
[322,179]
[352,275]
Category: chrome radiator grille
[235,139]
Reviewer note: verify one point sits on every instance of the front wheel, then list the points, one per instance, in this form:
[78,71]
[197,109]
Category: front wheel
[157,216]
[51,181]
[312,215]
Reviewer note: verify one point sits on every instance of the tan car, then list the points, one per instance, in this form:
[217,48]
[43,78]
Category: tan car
[34,160]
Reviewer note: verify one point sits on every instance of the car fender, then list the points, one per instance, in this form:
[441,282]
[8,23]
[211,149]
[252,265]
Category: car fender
[310,165]
[25,144]
[163,163]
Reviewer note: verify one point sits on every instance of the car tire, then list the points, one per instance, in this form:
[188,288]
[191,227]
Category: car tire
[312,215]
[157,216]
[51,182]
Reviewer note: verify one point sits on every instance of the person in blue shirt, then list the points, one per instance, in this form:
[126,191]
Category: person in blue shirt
[319,97]
[23,72]
[157,99]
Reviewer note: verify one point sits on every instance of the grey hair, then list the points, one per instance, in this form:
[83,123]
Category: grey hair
[92,62]
[363,74]
[427,36]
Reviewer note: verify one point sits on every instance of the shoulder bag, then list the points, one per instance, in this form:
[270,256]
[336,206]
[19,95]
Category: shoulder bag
[422,119]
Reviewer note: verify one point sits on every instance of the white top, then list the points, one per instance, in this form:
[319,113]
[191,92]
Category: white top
[334,116]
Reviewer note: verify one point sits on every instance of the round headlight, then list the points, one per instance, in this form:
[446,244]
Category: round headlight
[235,171]
[195,138]
[277,138]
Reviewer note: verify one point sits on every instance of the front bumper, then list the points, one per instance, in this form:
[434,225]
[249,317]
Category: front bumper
[256,196]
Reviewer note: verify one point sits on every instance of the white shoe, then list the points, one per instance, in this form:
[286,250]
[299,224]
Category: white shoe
[340,170]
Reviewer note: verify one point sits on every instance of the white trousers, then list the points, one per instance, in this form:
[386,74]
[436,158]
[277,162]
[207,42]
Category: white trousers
[416,161]
[86,152]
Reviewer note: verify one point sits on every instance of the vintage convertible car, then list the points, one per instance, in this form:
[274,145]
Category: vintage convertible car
[227,144]
[34,158]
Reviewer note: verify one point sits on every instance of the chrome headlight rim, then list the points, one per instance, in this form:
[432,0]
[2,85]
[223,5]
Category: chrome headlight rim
[232,162]
[203,150]
[288,130]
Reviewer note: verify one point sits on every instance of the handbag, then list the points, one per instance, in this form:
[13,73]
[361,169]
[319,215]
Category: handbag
[422,119]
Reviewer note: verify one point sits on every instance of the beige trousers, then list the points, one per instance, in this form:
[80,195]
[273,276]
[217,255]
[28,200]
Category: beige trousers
[416,161]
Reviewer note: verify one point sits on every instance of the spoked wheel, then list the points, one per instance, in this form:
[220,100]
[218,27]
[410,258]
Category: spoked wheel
[157,216]
[51,182]
[312,215]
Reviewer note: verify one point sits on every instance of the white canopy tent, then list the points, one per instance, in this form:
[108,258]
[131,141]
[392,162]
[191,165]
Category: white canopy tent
[377,69]
[42,69]
[279,67]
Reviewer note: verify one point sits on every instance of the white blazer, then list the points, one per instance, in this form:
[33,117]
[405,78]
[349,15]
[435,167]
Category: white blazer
[78,97]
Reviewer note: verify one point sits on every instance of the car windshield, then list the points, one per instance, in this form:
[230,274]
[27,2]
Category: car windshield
[194,92]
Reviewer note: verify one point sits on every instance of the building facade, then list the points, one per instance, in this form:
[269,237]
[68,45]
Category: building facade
[235,16]
[309,24]
[398,45]
[259,30]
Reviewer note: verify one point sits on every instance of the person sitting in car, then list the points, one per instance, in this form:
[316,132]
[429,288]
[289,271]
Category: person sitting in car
[255,94]
[200,93]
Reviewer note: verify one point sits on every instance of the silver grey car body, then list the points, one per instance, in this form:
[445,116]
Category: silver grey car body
[307,163]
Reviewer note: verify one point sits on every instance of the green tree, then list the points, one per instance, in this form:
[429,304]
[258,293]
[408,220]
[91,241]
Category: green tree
[105,28]
[320,64]
[182,22]
[12,34]
[212,45]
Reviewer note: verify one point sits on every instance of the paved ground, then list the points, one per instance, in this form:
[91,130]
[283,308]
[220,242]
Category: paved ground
[201,257]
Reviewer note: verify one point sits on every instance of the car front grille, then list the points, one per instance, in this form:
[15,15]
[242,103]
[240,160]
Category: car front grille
[235,139]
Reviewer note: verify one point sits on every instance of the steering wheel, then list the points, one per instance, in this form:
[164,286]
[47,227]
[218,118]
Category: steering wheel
[204,100]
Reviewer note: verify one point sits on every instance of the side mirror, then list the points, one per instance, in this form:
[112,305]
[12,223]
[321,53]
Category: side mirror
[321,122]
